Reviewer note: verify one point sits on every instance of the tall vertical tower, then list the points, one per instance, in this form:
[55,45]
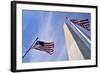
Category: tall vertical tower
[74,52]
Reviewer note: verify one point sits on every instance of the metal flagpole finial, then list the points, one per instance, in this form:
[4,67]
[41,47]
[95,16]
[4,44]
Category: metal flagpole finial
[67,19]
[37,38]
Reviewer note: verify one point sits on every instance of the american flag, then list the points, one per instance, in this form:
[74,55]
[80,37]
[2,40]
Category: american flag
[83,23]
[44,46]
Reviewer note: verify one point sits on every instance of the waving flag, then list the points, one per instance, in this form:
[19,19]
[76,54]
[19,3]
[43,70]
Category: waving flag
[44,46]
[83,23]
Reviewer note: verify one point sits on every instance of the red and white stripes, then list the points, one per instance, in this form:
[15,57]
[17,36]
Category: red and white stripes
[83,23]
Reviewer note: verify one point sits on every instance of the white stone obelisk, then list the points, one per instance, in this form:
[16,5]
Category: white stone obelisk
[74,52]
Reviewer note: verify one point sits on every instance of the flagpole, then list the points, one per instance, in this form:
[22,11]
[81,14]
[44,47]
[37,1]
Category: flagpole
[30,47]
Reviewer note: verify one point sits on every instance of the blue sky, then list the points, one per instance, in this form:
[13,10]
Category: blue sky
[47,26]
